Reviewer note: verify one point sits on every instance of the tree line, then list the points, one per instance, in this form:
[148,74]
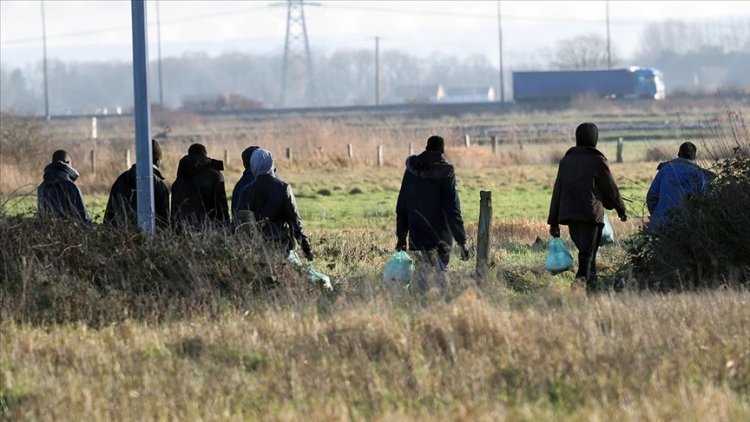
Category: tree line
[699,56]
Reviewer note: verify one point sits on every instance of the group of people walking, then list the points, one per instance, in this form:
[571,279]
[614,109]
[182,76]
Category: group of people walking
[198,196]
[428,209]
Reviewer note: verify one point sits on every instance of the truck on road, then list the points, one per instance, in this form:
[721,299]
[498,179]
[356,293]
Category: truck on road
[563,85]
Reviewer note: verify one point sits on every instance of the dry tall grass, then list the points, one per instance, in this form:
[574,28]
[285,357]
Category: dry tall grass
[471,357]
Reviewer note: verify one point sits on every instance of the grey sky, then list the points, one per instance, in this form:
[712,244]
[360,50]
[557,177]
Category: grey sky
[99,30]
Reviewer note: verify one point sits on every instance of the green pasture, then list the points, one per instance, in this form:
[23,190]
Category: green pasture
[366,198]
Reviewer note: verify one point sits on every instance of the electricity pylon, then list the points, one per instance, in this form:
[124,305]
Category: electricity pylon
[297,78]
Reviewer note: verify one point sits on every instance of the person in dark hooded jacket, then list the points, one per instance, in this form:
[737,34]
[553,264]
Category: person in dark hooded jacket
[584,187]
[122,205]
[58,195]
[273,205]
[428,209]
[246,180]
[198,193]
[675,180]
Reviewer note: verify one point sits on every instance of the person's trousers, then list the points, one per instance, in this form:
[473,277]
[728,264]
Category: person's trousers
[433,269]
[586,237]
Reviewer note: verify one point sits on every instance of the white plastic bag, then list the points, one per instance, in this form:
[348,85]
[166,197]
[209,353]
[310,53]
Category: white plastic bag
[608,235]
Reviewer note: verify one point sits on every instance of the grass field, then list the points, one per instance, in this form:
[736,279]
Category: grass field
[517,346]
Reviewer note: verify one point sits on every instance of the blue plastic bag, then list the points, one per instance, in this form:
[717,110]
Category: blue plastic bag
[608,235]
[399,268]
[315,276]
[559,258]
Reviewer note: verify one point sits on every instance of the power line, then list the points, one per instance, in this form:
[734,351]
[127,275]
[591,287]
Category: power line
[128,28]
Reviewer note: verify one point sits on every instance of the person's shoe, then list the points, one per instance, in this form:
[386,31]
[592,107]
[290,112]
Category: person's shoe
[579,284]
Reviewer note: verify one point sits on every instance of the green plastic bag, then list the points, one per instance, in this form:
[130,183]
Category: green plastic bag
[559,258]
[608,235]
[399,268]
[316,277]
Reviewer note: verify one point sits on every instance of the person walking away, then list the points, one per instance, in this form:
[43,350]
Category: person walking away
[199,198]
[58,194]
[428,209]
[273,205]
[675,180]
[584,188]
[122,205]
[246,180]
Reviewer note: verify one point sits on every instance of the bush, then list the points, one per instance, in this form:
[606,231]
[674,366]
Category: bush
[94,274]
[709,241]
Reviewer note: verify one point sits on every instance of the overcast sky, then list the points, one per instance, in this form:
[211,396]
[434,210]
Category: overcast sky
[100,30]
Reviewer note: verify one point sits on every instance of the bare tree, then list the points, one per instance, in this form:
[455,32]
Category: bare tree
[582,52]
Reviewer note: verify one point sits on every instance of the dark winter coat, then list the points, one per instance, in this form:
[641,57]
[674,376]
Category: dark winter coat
[428,207]
[274,207]
[584,188]
[675,180]
[122,204]
[198,193]
[246,180]
[58,195]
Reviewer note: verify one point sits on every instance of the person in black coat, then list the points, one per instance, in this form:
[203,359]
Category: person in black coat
[58,195]
[428,209]
[199,197]
[273,205]
[122,205]
[584,187]
[246,180]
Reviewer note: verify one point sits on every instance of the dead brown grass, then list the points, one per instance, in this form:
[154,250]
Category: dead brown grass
[475,356]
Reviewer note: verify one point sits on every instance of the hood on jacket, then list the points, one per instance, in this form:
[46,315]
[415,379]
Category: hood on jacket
[192,164]
[261,162]
[587,134]
[429,165]
[59,171]
[133,175]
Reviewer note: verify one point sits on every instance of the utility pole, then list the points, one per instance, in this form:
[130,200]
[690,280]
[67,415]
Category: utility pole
[609,52]
[158,53]
[377,71]
[144,171]
[500,45]
[44,63]
[297,65]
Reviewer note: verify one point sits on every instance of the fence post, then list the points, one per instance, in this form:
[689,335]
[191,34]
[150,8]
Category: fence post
[350,151]
[226,157]
[94,128]
[128,161]
[411,149]
[93,160]
[380,155]
[467,140]
[289,153]
[619,150]
[494,144]
[483,234]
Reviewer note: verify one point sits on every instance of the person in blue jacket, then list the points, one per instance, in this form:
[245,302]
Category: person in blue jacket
[58,194]
[428,210]
[675,180]
[246,180]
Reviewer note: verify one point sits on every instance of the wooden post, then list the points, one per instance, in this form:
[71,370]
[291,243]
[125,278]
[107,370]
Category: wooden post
[483,234]
[93,160]
[411,149]
[350,151]
[380,155]
[128,161]
[226,157]
[619,150]
[494,144]
[289,153]
[467,140]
